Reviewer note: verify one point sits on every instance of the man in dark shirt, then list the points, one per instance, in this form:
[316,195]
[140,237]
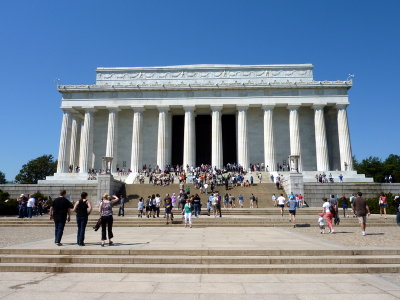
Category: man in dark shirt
[60,212]
[361,210]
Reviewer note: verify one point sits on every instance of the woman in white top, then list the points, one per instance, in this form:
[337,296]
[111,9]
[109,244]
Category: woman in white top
[326,210]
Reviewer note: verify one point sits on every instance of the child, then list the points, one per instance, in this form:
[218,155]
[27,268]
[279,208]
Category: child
[168,209]
[321,223]
[140,207]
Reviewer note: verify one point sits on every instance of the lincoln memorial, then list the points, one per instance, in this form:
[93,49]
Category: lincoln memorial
[205,114]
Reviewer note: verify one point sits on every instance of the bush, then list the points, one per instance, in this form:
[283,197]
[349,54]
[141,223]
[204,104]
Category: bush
[10,207]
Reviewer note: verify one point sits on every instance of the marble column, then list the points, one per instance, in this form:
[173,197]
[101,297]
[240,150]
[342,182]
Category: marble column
[243,156]
[112,136]
[269,150]
[216,137]
[321,146]
[75,131]
[86,147]
[63,151]
[346,156]
[294,129]
[162,139]
[137,132]
[189,138]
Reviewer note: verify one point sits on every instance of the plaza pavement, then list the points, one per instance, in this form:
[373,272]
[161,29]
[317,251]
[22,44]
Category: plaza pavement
[39,285]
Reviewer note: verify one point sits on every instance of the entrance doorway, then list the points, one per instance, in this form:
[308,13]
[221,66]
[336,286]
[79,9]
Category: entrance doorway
[177,140]
[229,149]
[203,139]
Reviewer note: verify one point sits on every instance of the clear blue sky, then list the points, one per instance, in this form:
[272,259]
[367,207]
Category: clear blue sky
[44,40]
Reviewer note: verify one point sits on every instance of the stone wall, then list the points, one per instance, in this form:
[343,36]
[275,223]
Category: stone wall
[313,192]
[53,190]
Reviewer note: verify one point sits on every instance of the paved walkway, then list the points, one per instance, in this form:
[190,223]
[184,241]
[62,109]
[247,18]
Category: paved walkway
[194,286]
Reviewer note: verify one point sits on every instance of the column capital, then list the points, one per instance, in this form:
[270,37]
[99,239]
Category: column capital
[163,108]
[189,108]
[138,108]
[268,106]
[89,109]
[293,106]
[341,106]
[318,106]
[113,108]
[216,107]
[242,107]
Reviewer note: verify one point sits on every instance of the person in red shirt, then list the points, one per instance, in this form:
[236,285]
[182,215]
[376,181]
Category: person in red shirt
[382,204]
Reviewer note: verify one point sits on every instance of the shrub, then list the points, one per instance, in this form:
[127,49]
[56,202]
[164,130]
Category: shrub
[10,207]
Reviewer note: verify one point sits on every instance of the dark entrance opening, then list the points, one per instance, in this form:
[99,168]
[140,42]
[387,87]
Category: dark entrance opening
[177,140]
[229,138]
[203,139]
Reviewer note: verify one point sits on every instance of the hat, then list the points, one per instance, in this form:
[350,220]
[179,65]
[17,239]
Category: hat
[396,197]
[22,195]
[321,215]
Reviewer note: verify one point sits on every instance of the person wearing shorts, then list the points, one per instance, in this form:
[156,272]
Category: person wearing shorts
[240,197]
[362,211]
[382,204]
[293,205]
[281,203]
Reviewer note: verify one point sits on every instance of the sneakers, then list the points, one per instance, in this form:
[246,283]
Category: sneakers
[363,233]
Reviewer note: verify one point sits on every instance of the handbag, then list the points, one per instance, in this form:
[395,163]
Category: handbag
[97,225]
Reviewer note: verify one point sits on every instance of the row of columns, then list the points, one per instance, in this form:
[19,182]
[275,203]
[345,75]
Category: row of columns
[71,125]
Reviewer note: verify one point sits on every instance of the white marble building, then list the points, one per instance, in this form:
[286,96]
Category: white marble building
[205,114]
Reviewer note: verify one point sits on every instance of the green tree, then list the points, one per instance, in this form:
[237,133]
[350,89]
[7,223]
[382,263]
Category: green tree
[378,169]
[37,169]
[2,178]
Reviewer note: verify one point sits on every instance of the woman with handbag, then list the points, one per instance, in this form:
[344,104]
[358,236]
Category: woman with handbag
[83,208]
[105,210]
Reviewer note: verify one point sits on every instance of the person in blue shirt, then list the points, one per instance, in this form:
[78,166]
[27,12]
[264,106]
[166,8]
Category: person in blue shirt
[293,205]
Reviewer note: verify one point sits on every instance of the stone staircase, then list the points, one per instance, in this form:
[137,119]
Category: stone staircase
[199,261]
[262,191]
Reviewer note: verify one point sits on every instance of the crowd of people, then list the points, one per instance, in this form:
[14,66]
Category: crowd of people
[323,178]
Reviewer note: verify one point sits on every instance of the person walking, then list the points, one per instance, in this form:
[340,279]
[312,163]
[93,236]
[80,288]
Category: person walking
[187,209]
[281,203]
[327,211]
[60,212]
[121,210]
[293,205]
[30,206]
[362,211]
[83,208]
[105,210]
[382,204]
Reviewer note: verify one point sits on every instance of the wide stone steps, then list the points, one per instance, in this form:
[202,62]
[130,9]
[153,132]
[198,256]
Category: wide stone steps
[200,262]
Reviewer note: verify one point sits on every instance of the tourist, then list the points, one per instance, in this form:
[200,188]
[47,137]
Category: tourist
[251,198]
[397,203]
[281,203]
[326,210]
[214,202]
[226,200]
[22,202]
[241,200]
[334,209]
[83,208]
[345,205]
[121,210]
[292,204]
[341,178]
[382,204]
[219,205]
[106,214]
[321,223]
[153,205]
[148,207]
[209,203]
[60,212]
[273,198]
[140,207]
[205,186]
[187,209]
[197,205]
[301,200]
[352,199]
[173,200]
[168,209]
[157,200]
[30,206]
[362,211]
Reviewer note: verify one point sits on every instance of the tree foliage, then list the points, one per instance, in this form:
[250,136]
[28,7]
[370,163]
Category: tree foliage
[37,169]
[378,169]
[2,178]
